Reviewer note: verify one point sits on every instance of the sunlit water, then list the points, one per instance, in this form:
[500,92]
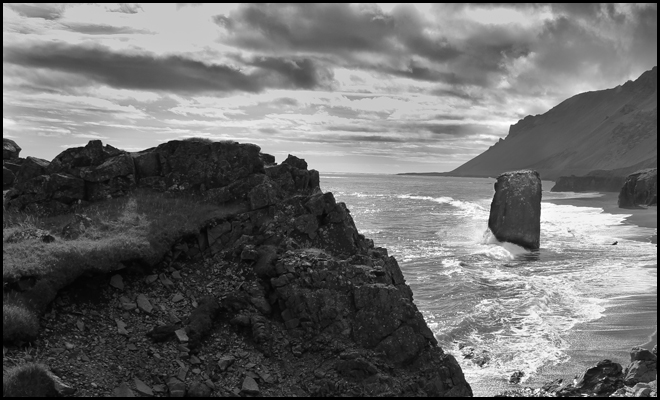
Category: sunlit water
[496,297]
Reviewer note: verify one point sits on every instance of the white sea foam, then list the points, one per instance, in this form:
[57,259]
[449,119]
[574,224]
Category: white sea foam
[467,207]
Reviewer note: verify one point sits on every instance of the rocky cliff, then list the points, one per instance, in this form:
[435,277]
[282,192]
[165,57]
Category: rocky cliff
[601,130]
[640,189]
[286,278]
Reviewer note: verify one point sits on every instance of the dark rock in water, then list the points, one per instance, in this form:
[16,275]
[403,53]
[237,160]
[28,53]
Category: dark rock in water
[10,149]
[602,380]
[515,212]
[640,189]
[588,184]
[516,377]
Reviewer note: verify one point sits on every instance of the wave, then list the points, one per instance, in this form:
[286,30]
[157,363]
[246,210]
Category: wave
[468,207]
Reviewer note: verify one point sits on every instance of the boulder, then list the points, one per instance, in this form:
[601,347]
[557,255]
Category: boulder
[601,380]
[515,212]
[187,164]
[640,189]
[77,160]
[31,168]
[10,150]
[642,368]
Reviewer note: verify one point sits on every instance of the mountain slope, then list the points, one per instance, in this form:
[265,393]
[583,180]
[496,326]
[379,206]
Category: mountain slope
[601,130]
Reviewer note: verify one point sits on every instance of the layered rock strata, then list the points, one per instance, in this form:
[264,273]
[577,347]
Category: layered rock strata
[515,212]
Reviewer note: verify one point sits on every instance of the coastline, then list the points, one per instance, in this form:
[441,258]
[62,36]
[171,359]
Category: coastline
[629,321]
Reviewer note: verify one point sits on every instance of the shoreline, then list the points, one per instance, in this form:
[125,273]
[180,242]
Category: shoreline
[642,217]
[630,321]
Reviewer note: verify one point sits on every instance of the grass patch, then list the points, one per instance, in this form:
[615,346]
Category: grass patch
[19,322]
[28,380]
[142,226]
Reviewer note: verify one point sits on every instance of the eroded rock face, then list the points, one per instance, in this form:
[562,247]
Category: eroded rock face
[322,282]
[515,212]
[640,189]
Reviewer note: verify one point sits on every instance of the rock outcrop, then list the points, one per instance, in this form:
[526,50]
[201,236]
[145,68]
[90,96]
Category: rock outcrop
[224,172]
[298,279]
[515,212]
[10,150]
[588,184]
[640,189]
[606,378]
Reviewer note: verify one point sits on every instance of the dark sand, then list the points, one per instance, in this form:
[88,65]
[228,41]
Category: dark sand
[631,321]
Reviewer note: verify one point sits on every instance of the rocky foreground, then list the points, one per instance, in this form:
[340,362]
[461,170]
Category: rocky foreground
[283,297]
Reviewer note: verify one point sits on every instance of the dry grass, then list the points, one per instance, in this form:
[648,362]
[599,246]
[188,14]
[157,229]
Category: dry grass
[142,226]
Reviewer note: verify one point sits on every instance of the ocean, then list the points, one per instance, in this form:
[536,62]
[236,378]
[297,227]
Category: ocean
[512,309]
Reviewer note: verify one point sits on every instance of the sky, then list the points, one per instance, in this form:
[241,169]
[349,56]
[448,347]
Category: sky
[373,88]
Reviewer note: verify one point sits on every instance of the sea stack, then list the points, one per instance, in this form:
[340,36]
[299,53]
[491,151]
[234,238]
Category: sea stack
[640,189]
[515,213]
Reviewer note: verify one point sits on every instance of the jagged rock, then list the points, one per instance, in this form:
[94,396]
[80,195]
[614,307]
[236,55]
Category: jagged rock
[225,362]
[199,389]
[642,367]
[31,168]
[144,304]
[123,391]
[181,335]
[147,163]
[117,281]
[143,387]
[602,380]
[162,333]
[250,386]
[10,150]
[515,212]
[121,327]
[640,188]
[176,387]
[54,193]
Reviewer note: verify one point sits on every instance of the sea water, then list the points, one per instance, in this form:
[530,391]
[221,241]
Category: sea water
[516,308]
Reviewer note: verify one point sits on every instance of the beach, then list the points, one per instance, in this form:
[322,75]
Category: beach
[630,320]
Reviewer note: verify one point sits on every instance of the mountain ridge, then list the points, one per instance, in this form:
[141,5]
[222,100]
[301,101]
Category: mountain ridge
[603,130]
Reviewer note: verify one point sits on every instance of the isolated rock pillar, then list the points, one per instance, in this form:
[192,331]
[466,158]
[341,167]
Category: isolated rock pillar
[515,213]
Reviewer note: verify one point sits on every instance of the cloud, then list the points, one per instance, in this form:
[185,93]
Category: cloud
[145,71]
[38,10]
[101,29]
[127,8]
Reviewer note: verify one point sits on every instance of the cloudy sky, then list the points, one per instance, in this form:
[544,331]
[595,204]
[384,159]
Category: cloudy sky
[349,87]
